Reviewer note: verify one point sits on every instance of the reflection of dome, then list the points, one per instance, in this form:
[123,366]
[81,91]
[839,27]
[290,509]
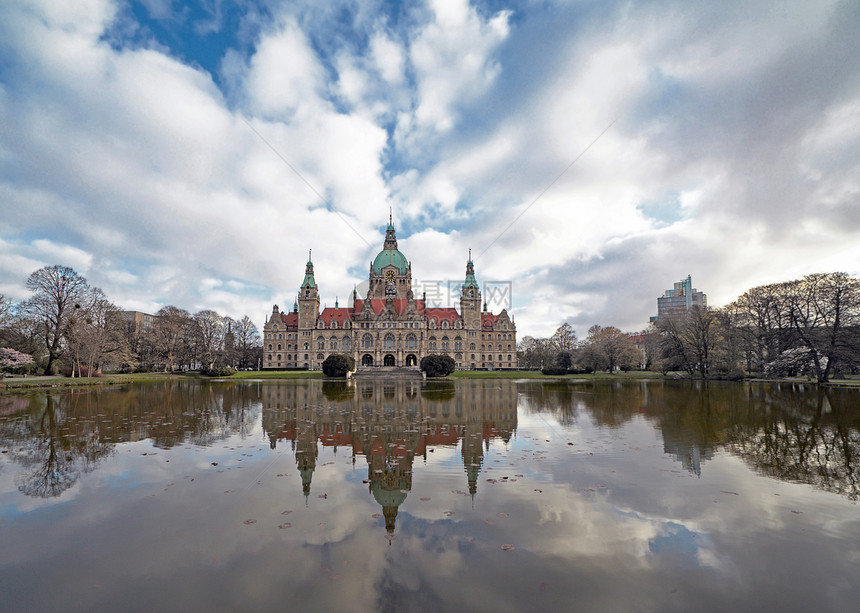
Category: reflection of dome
[386,497]
[388,257]
[389,500]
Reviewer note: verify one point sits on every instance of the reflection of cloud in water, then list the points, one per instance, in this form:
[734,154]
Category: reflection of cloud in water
[608,521]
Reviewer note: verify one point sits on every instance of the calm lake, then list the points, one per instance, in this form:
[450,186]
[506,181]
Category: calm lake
[474,495]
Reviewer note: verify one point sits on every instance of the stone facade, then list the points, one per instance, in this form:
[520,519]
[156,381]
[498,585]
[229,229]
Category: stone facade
[389,327]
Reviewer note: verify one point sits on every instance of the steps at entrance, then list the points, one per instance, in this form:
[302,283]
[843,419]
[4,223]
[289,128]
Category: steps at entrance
[388,372]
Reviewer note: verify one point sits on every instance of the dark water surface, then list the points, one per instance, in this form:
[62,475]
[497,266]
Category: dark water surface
[452,496]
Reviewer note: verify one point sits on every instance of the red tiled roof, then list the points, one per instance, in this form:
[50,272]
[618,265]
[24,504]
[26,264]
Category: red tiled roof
[437,314]
[291,319]
[488,320]
[338,437]
[340,315]
[442,438]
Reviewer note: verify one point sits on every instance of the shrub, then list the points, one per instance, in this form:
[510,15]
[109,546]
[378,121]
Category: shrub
[438,365]
[81,371]
[337,365]
[553,370]
[218,371]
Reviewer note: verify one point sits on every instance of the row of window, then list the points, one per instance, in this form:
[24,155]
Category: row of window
[388,342]
[458,324]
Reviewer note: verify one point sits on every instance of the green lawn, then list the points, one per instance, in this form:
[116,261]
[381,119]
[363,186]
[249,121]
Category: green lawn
[20,383]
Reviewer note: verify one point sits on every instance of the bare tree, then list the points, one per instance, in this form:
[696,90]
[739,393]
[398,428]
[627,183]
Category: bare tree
[57,289]
[209,336]
[535,352]
[5,311]
[825,312]
[246,339]
[96,335]
[610,348]
[676,352]
[763,324]
[169,335]
[700,335]
[564,338]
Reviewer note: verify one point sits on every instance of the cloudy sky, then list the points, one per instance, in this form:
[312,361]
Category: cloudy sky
[589,153]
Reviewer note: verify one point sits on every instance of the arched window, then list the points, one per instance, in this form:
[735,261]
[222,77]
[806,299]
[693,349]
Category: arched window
[307,346]
[320,343]
[367,341]
[445,344]
[472,346]
[347,344]
[333,324]
[332,344]
[388,341]
[432,343]
[411,341]
[458,344]
[445,324]
[320,356]
[270,346]
[279,346]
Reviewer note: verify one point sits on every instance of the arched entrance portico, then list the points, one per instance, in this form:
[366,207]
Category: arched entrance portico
[388,360]
[411,360]
[367,360]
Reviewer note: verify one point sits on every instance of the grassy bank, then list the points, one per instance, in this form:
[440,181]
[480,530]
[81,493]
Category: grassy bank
[19,383]
[23,383]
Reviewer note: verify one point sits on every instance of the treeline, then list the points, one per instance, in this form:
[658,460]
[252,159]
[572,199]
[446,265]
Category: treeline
[810,326]
[603,349]
[68,326]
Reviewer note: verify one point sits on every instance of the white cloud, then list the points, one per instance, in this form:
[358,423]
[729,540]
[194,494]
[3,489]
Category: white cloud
[138,167]
[452,60]
[64,255]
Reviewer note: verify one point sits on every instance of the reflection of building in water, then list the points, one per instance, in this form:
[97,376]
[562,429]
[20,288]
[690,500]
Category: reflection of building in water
[689,455]
[390,423]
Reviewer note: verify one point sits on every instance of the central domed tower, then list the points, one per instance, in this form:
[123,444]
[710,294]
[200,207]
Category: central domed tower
[390,271]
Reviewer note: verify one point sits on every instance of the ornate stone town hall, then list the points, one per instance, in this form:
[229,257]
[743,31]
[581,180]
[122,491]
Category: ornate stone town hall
[389,327]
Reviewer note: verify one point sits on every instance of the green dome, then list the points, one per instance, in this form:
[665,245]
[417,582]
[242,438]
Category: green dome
[387,257]
[386,497]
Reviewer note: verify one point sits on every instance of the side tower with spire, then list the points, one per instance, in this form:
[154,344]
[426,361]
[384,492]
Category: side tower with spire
[470,298]
[309,299]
